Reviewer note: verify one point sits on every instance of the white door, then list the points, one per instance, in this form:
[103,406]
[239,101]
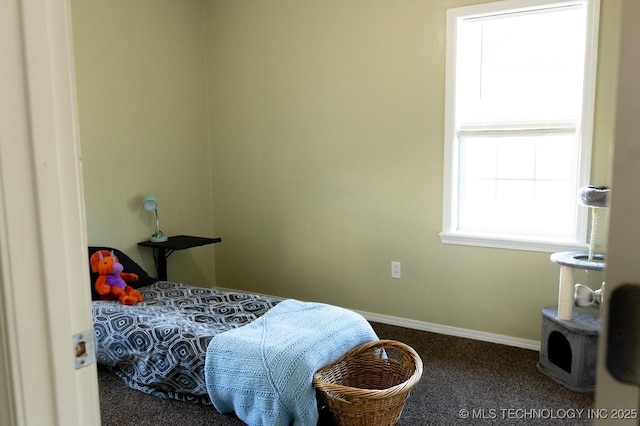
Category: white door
[617,402]
[44,289]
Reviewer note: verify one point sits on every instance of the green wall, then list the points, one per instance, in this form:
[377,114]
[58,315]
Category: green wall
[309,136]
[141,83]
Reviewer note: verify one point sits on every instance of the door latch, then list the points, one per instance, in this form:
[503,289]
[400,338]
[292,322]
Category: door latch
[84,348]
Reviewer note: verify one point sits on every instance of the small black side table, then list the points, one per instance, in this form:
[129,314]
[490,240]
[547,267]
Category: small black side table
[161,251]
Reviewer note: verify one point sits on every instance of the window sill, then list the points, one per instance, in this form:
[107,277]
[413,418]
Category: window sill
[528,244]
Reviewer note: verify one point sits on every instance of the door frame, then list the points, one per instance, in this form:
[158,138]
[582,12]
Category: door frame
[44,296]
[614,397]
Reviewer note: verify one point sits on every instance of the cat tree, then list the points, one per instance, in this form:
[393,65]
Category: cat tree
[569,339]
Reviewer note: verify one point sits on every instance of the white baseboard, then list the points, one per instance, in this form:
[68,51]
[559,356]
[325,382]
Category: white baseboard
[437,328]
[452,331]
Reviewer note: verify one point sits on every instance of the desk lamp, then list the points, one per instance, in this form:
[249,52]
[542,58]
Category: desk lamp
[150,203]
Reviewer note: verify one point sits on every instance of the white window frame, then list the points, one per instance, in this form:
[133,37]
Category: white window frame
[450,233]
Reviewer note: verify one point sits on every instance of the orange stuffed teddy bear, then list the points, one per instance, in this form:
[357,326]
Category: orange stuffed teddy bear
[111,284]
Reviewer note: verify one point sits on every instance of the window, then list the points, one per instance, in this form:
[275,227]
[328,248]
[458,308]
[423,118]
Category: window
[518,123]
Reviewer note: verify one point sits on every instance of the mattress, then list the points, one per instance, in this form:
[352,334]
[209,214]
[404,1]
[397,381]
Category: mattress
[159,346]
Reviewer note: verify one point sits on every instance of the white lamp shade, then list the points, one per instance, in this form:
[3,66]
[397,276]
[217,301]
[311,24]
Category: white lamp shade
[150,203]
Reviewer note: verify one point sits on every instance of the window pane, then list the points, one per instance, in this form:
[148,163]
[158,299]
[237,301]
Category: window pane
[477,204]
[518,184]
[530,65]
[516,158]
[479,157]
[514,200]
[554,157]
[555,209]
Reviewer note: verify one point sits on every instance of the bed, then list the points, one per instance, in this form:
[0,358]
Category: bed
[159,346]
[163,345]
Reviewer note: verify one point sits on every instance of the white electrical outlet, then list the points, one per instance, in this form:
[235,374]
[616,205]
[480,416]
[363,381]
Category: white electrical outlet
[396,270]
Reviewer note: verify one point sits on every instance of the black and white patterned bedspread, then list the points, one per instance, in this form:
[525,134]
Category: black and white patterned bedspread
[159,346]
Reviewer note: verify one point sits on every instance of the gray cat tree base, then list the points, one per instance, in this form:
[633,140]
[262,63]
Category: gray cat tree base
[569,348]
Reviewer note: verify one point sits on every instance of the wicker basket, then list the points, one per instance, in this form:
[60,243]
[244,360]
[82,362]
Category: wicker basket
[369,385]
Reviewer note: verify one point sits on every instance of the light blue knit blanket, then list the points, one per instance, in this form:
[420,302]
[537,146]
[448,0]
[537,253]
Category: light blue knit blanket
[263,371]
